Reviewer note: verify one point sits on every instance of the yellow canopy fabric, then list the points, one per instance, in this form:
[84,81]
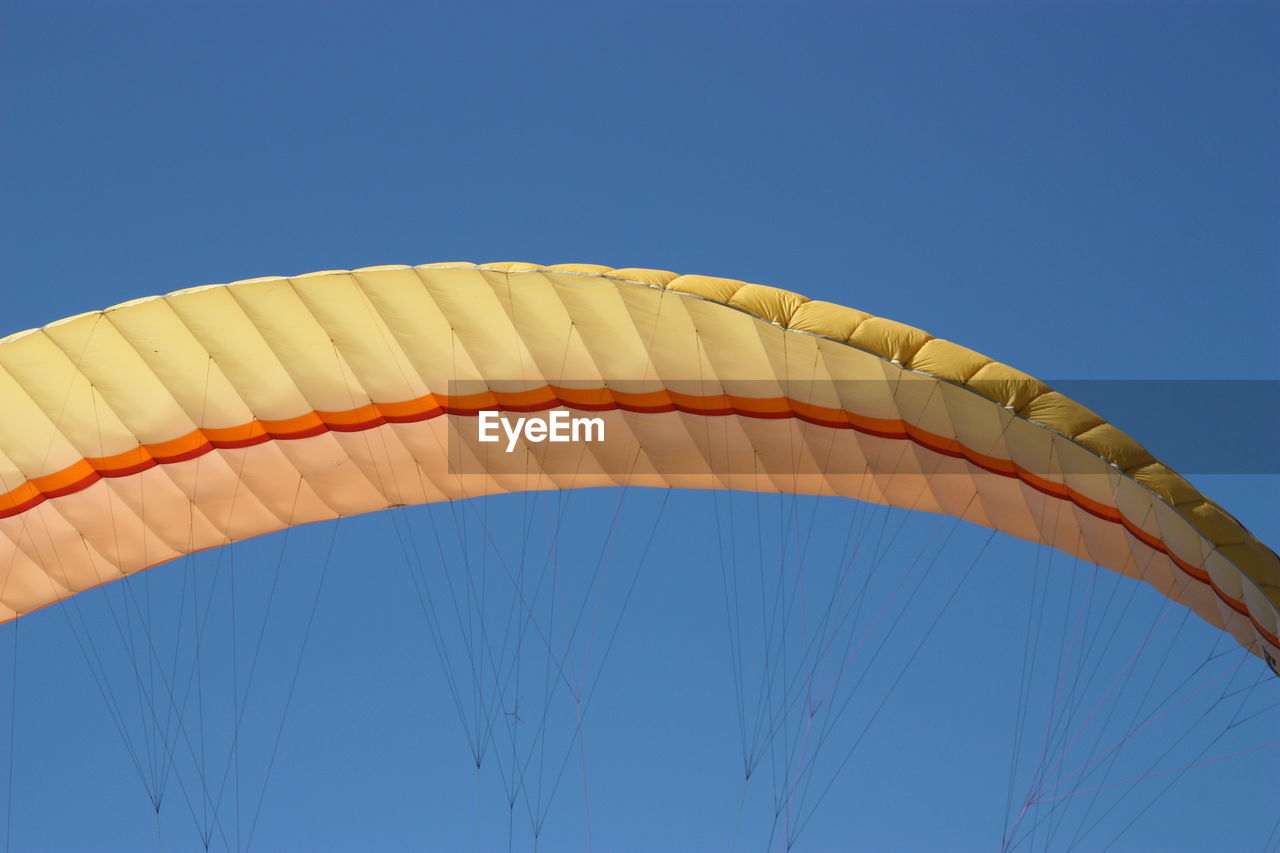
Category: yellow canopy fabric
[166,425]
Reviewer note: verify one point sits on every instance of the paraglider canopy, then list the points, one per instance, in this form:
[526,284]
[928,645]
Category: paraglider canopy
[172,424]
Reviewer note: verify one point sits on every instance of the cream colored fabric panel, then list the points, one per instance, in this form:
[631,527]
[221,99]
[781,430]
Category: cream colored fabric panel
[161,508]
[245,369]
[384,465]
[865,383]
[336,478]
[73,421]
[67,559]
[174,356]
[540,319]
[302,346]
[974,422]
[1254,598]
[215,484]
[35,576]
[736,350]
[105,531]
[410,311]
[678,355]
[793,359]
[481,327]
[31,441]
[276,481]
[609,328]
[367,346]
[11,476]
[1006,504]
[1032,449]
[126,402]
[668,446]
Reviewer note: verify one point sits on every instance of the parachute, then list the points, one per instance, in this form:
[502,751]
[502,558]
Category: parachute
[168,425]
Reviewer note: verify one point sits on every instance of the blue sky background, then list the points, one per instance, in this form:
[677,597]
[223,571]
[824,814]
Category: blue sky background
[1083,190]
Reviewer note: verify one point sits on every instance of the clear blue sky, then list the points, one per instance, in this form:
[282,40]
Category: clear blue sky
[1083,190]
